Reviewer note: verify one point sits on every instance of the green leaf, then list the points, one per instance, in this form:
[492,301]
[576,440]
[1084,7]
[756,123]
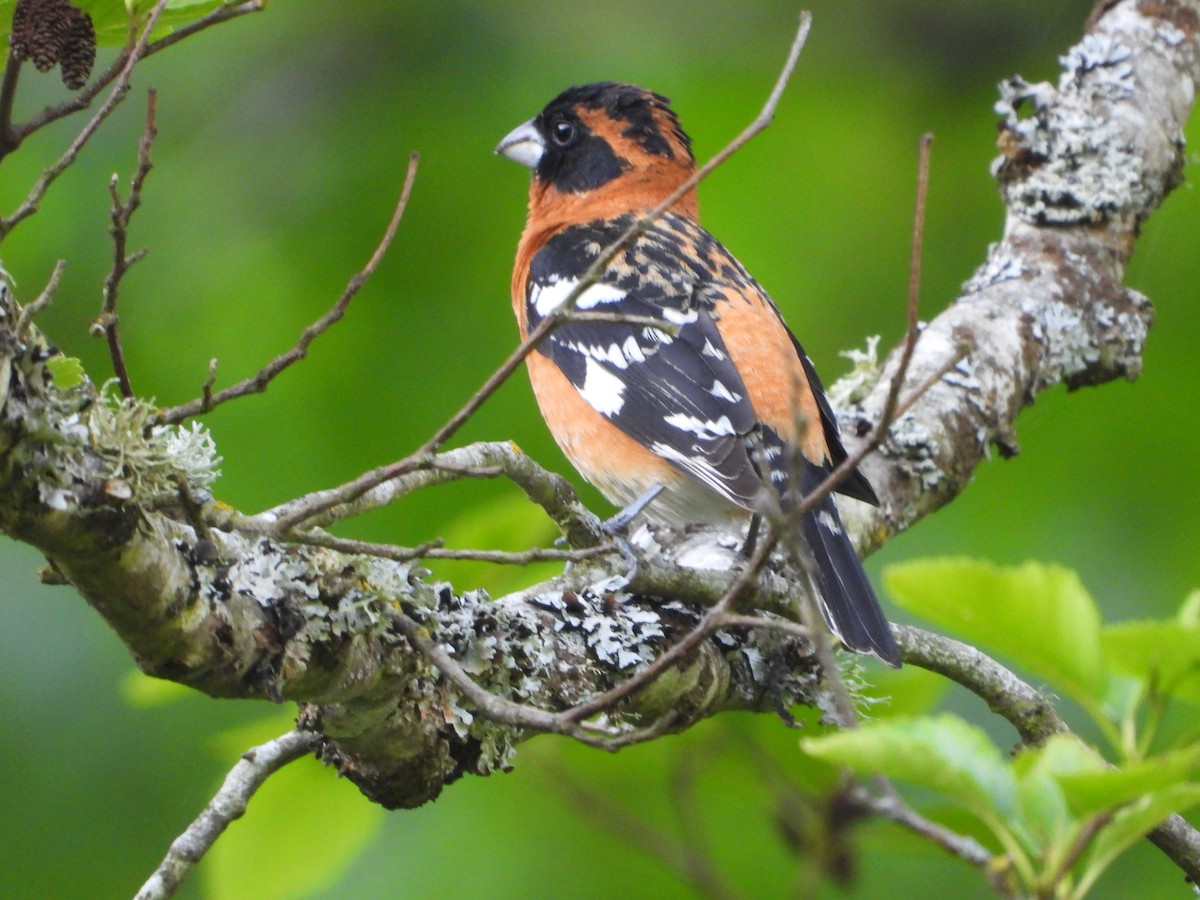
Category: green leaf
[111,17]
[1092,792]
[1131,824]
[67,371]
[1166,653]
[1038,615]
[942,753]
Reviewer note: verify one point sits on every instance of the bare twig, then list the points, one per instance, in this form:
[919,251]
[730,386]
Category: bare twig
[206,388]
[436,550]
[914,275]
[8,93]
[809,614]
[255,767]
[121,213]
[259,382]
[30,310]
[116,95]
[895,809]
[84,98]
[552,492]
[315,505]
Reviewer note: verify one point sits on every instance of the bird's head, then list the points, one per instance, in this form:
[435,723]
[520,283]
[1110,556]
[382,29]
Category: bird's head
[602,150]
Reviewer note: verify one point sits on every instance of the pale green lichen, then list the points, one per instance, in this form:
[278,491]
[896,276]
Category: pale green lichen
[82,444]
[151,458]
[853,387]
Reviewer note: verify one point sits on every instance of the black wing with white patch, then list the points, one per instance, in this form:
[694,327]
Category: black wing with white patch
[678,394]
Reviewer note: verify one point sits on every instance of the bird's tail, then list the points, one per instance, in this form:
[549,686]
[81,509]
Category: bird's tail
[847,600]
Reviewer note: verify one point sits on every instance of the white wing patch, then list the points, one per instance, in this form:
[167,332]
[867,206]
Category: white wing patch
[704,429]
[546,298]
[828,522]
[654,336]
[680,316]
[617,355]
[721,392]
[603,390]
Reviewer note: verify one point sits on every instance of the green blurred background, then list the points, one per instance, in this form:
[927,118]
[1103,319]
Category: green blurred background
[283,142]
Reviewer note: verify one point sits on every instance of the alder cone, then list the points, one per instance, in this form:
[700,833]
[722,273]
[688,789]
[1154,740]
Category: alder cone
[53,32]
[79,51]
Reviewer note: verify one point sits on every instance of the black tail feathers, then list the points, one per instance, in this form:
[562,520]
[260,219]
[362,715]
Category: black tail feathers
[847,599]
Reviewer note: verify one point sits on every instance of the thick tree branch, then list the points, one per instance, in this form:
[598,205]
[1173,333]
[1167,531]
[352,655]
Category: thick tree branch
[1083,165]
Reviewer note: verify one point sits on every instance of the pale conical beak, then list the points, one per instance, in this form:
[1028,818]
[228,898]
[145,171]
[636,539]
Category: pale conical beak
[523,145]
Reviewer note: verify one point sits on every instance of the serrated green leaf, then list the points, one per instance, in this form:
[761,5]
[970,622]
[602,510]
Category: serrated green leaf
[1092,792]
[1038,615]
[1131,824]
[942,753]
[1167,653]
[67,371]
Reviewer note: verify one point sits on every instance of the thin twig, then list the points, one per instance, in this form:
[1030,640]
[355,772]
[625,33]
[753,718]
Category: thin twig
[8,93]
[84,98]
[247,776]
[314,505]
[206,388]
[843,703]
[914,272]
[121,214]
[115,96]
[1083,840]
[30,310]
[893,808]
[259,382]
[435,549]
[581,527]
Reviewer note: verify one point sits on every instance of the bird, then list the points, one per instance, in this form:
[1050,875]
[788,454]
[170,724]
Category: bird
[685,382]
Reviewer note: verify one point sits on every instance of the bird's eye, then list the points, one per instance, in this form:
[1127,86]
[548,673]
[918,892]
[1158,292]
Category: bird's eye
[562,132]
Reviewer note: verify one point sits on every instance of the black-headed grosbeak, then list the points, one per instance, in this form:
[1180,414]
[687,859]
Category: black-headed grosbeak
[711,410]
